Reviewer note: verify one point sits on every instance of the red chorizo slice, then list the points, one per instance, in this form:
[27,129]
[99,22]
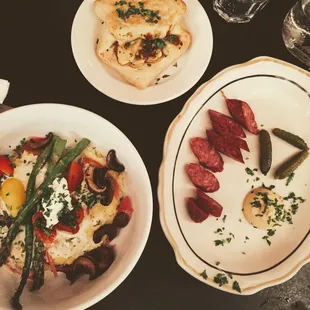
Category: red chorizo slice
[208,205]
[224,124]
[238,141]
[195,213]
[207,155]
[225,146]
[202,178]
[243,114]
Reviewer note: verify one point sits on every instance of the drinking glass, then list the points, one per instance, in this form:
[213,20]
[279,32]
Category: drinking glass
[296,31]
[238,11]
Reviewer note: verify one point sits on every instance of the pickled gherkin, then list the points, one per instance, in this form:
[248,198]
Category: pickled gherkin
[265,159]
[291,165]
[291,138]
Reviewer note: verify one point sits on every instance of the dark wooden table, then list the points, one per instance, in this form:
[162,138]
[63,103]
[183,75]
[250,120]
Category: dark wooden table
[36,57]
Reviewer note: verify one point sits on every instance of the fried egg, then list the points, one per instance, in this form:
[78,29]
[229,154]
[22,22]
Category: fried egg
[66,247]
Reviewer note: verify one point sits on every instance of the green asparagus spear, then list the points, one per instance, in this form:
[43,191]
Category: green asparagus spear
[59,147]
[41,160]
[30,204]
[26,269]
[38,251]
[38,264]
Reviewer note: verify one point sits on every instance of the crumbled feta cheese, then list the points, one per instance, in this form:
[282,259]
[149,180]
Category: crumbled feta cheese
[59,199]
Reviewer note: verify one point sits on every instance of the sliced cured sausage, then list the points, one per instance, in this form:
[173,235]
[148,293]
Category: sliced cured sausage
[238,141]
[242,113]
[202,178]
[208,205]
[223,124]
[195,213]
[225,146]
[207,155]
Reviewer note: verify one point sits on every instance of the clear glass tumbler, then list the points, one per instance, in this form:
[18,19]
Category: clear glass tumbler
[296,31]
[238,11]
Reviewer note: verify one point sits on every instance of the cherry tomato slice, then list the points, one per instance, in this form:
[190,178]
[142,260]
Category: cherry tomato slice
[38,215]
[91,162]
[125,206]
[75,176]
[6,165]
[46,235]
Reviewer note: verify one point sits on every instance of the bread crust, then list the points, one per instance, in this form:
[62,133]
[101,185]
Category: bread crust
[122,43]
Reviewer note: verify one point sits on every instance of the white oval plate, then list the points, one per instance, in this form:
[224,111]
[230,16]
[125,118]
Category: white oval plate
[279,96]
[72,122]
[190,67]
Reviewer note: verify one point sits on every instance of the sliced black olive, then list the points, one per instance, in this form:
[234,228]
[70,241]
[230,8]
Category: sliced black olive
[83,265]
[2,220]
[5,220]
[40,143]
[121,220]
[93,187]
[99,176]
[104,257]
[108,229]
[107,196]
[113,163]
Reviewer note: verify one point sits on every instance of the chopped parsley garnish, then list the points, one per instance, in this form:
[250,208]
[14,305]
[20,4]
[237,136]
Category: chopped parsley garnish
[243,253]
[204,275]
[175,65]
[149,15]
[271,187]
[224,218]
[219,242]
[48,212]
[173,39]
[247,238]
[294,208]
[249,171]
[236,287]
[231,234]
[228,240]
[290,178]
[220,279]
[13,165]
[217,263]
[165,76]
[256,204]
[267,240]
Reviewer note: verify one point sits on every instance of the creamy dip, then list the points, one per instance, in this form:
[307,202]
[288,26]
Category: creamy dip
[261,207]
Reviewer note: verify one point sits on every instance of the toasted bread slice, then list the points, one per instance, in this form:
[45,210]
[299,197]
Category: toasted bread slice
[140,73]
[138,49]
[136,26]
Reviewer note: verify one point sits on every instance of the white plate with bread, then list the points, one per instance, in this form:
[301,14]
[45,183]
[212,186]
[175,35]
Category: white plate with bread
[142,52]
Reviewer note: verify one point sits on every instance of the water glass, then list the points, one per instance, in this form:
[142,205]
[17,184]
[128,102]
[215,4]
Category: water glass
[238,11]
[296,31]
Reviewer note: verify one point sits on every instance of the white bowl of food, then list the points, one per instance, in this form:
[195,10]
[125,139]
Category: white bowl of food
[87,217]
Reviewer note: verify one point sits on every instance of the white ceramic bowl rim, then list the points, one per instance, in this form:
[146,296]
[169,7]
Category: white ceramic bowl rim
[139,246]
